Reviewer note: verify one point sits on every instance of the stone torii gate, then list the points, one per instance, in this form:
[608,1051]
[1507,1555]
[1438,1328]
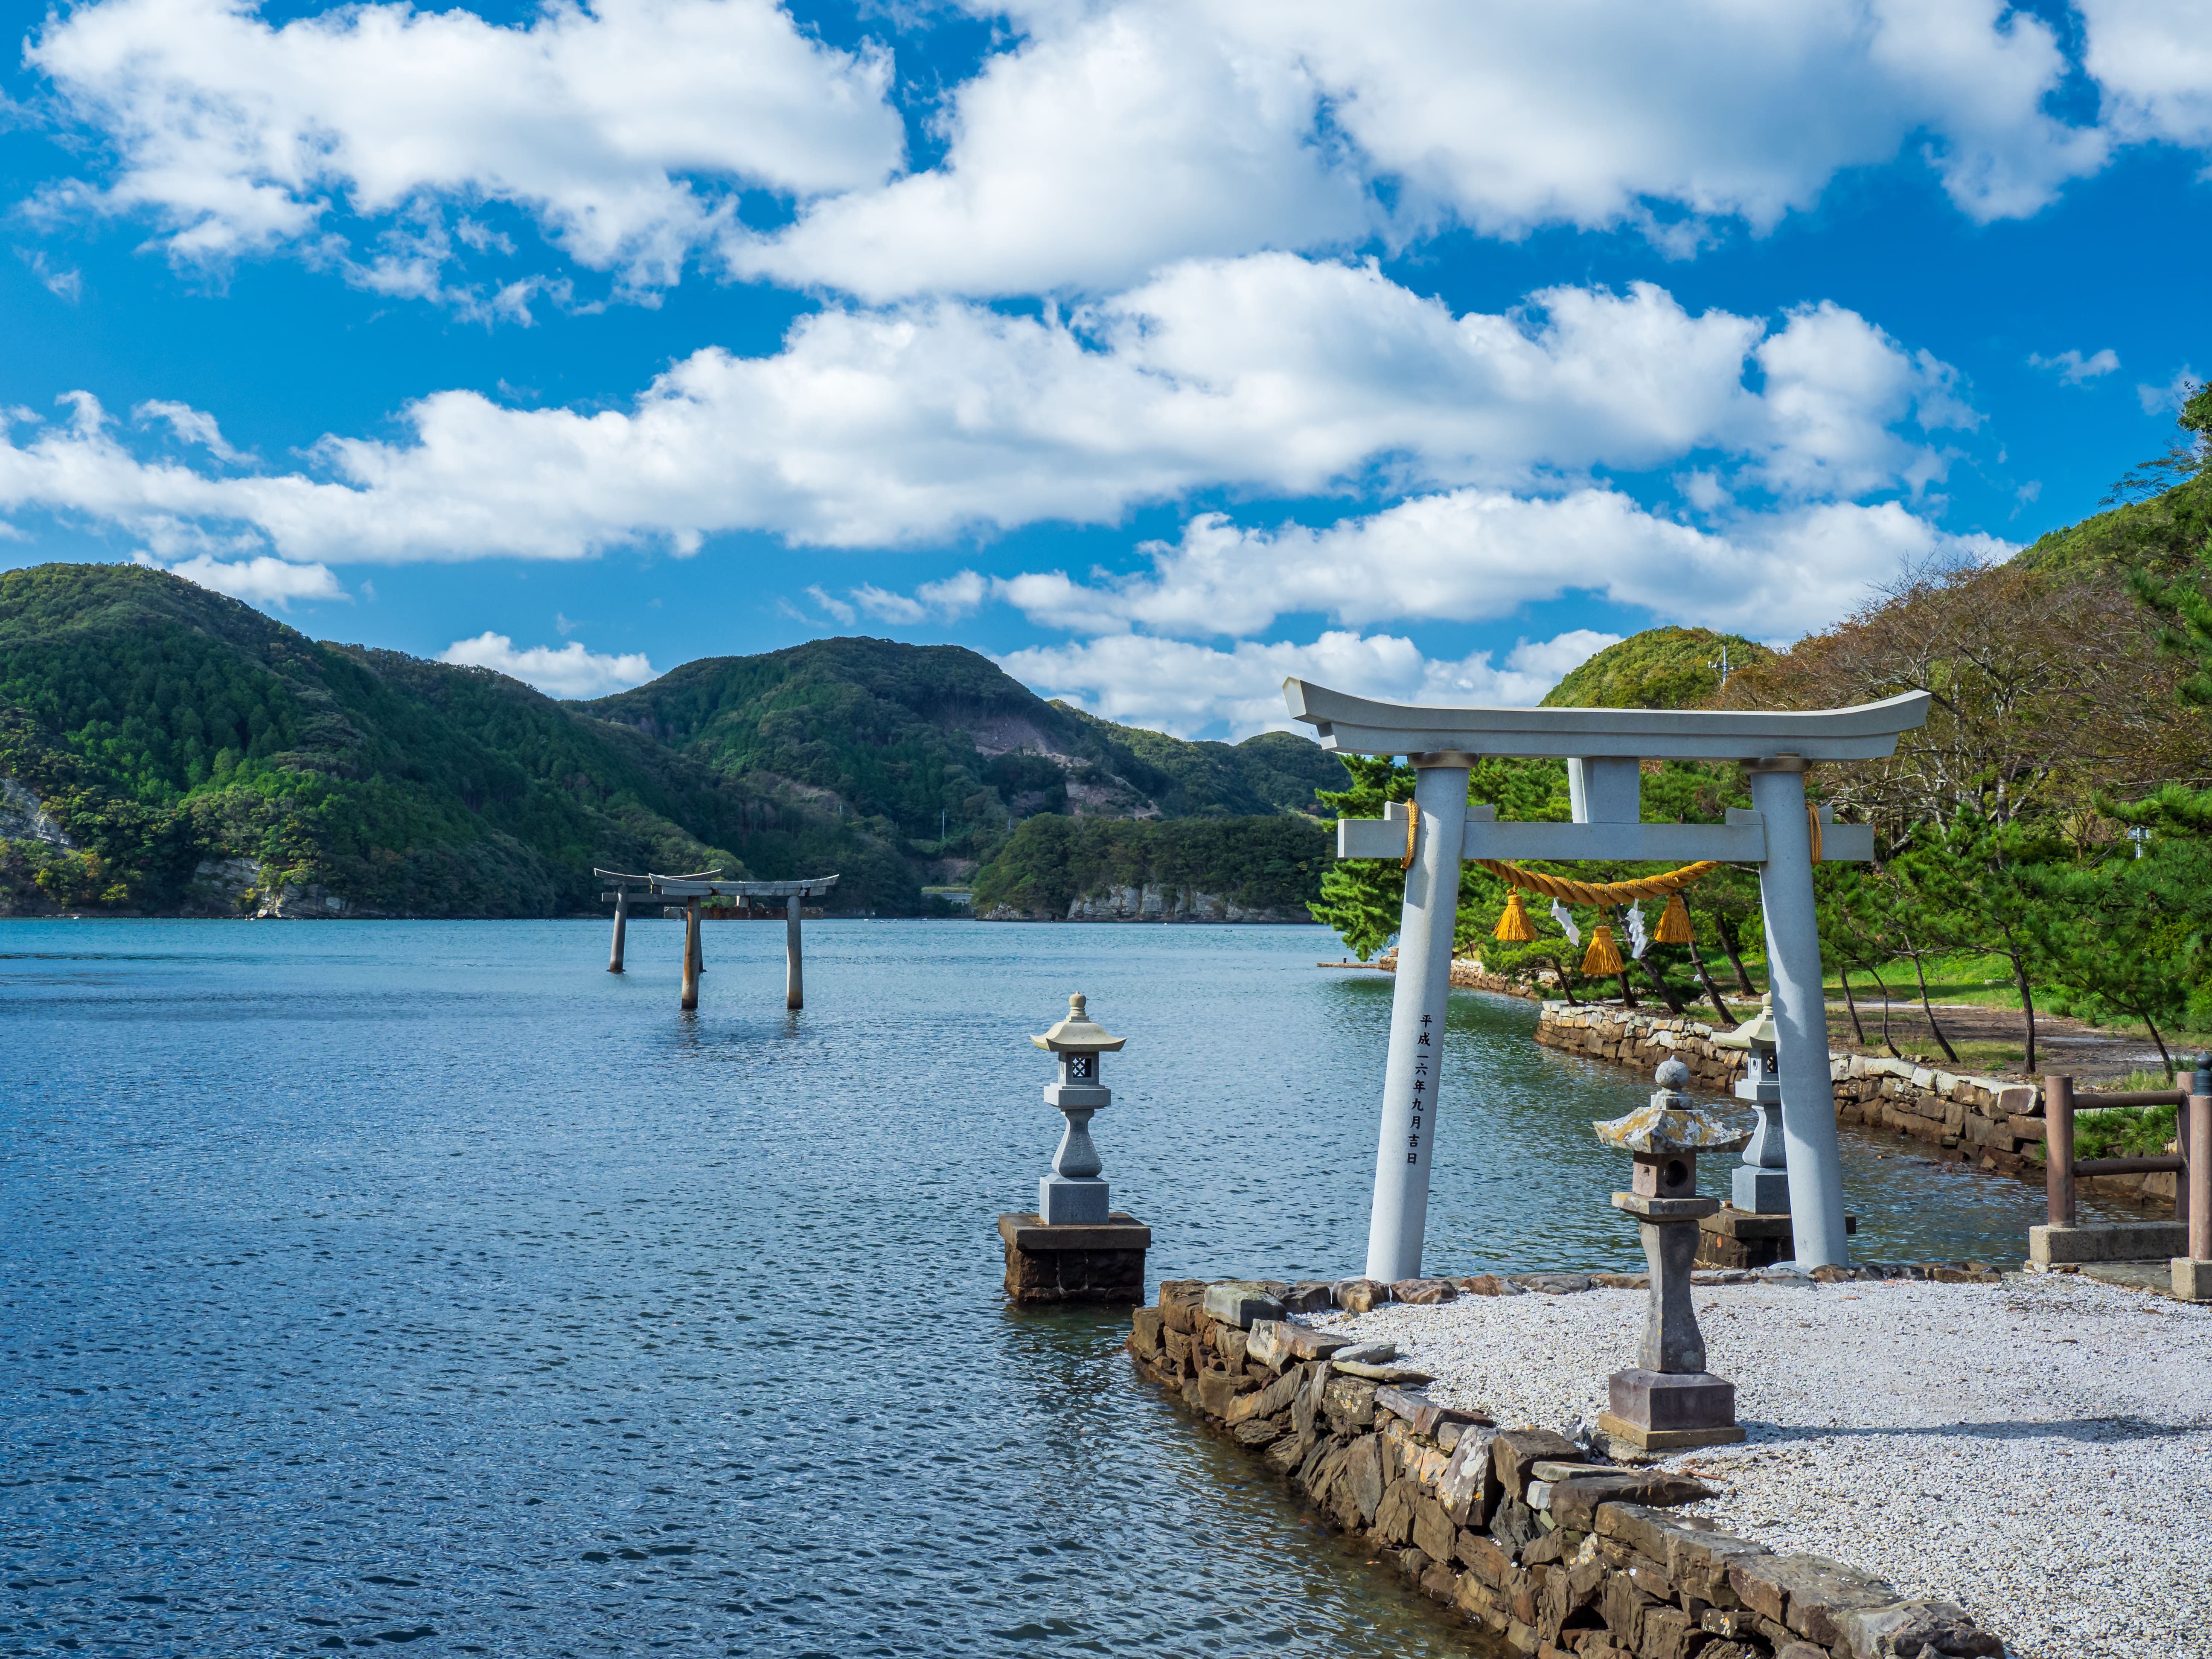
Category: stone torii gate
[693,888]
[1602,748]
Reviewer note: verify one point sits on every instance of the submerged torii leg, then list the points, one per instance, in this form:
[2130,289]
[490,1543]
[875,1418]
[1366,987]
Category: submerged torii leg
[621,927]
[794,979]
[691,954]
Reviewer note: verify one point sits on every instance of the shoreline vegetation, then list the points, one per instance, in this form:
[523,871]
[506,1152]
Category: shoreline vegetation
[2043,844]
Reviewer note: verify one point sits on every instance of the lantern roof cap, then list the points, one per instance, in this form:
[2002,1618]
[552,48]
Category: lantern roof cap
[1078,1033]
[1657,1130]
[1757,1032]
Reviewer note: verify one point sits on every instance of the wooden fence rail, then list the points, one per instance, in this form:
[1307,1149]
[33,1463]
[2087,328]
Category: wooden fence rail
[2193,1169]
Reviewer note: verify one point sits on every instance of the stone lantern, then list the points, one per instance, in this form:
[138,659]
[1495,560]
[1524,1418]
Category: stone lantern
[1761,1183]
[1074,1192]
[1668,1400]
[1077,1248]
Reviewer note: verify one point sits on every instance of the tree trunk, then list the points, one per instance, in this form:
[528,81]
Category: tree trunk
[1627,995]
[1850,1003]
[1928,1008]
[2027,998]
[1884,989]
[1565,989]
[1659,982]
[1705,978]
[1724,930]
[2164,1058]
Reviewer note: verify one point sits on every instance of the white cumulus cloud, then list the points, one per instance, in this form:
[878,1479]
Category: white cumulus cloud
[2167,398]
[261,581]
[1478,554]
[2152,61]
[1093,143]
[1178,686]
[1271,374]
[1109,140]
[621,127]
[569,671]
[2074,368]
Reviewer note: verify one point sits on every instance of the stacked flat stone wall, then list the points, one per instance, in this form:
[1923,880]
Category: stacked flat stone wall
[1983,1122]
[1549,1550]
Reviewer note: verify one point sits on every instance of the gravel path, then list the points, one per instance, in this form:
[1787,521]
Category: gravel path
[2039,1451]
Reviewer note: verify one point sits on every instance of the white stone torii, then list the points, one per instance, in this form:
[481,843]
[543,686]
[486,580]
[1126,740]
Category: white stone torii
[1602,748]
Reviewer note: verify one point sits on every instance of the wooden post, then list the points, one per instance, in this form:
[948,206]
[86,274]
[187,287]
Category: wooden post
[794,981]
[699,939]
[691,954]
[622,925]
[2058,1148]
[2197,1177]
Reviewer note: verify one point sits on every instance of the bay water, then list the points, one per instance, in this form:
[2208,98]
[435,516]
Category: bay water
[423,1284]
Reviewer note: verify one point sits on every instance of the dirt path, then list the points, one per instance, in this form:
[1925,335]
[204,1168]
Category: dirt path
[1991,1041]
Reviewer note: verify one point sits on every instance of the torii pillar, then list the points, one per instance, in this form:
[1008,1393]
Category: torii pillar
[1801,1013]
[1603,748]
[795,976]
[1420,993]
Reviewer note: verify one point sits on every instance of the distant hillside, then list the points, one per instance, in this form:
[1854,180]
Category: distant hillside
[165,749]
[1659,668]
[165,728]
[906,732]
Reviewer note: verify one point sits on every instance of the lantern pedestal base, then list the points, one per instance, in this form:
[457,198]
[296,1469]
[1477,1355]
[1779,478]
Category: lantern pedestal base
[1762,1192]
[1065,1200]
[1100,1263]
[1661,1411]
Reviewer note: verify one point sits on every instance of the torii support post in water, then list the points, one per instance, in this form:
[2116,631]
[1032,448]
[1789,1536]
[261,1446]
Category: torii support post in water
[691,956]
[621,897]
[795,978]
[691,889]
[1602,748]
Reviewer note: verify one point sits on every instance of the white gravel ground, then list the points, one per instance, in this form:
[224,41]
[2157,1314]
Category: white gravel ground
[2039,1451]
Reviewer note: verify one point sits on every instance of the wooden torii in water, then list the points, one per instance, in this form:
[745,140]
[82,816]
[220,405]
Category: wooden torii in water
[701,884]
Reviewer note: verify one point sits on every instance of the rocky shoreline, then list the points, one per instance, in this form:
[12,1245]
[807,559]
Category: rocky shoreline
[1548,1548]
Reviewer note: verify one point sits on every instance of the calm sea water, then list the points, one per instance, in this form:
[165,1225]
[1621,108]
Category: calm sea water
[424,1284]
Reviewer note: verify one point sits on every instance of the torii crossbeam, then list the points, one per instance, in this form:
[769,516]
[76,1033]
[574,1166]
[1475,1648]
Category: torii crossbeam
[701,884]
[1602,748]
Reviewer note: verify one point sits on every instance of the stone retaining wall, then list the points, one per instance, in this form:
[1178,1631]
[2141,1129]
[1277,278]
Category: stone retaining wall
[1550,1550]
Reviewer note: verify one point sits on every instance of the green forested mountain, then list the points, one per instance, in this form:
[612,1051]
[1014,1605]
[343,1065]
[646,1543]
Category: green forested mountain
[164,748]
[906,732]
[1268,864]
[1659,668]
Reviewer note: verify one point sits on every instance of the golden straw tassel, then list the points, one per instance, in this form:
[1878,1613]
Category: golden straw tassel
[1602,958]
[1513,926]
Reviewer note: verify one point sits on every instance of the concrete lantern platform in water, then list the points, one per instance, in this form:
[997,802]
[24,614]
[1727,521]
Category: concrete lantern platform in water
[1667,1400]
[1076,1248]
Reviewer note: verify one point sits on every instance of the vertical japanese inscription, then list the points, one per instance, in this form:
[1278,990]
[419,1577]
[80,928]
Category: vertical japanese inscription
[1421,1047]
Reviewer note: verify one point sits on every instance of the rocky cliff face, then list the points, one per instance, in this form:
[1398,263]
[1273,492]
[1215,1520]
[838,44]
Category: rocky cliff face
[1151,902]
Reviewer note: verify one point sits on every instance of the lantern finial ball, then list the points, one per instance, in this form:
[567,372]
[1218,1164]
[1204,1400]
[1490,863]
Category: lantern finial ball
[1672,1073]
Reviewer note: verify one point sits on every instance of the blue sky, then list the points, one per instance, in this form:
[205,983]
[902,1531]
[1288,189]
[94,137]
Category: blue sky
[1157,349]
